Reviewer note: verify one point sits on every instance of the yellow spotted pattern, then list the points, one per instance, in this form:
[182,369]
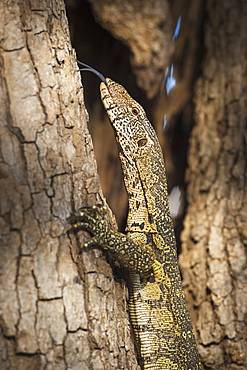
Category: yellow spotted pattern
[159,315]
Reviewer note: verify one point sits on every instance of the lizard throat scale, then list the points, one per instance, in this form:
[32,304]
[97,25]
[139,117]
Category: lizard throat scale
[159,315]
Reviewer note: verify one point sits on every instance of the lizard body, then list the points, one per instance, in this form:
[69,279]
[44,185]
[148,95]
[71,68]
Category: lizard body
[159,316]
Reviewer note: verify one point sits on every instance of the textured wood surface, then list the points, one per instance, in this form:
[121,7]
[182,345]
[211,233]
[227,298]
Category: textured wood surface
[213,258]
[58,309]
[146,28]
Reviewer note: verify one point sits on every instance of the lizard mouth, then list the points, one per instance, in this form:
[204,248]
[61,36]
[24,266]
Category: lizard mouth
[106,94]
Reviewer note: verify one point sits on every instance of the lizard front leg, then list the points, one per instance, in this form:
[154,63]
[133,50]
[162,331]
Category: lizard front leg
[129,254]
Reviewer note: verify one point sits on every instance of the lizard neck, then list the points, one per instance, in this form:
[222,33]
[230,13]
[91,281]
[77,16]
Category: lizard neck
[145,182]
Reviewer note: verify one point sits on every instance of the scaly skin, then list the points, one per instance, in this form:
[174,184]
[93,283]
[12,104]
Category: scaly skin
[159,316]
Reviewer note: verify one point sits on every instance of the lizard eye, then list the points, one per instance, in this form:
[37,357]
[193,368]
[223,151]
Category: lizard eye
[142,142]
[135,111]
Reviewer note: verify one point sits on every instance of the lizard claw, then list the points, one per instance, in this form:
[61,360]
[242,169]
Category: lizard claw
[97,211]
[92,220]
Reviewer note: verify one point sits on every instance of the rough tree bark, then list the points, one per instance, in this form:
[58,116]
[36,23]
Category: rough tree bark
[214,239]
[146,27]
[58,309]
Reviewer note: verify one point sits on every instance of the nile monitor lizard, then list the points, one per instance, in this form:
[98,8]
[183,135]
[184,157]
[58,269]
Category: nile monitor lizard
[159,316]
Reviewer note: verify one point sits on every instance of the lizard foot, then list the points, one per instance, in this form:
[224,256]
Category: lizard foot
[129,254]
[92,220]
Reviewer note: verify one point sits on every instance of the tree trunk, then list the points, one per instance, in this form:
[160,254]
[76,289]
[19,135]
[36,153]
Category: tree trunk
[59,309]
[214,239]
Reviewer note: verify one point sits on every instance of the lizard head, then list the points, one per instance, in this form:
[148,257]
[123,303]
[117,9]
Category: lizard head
[134,133]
